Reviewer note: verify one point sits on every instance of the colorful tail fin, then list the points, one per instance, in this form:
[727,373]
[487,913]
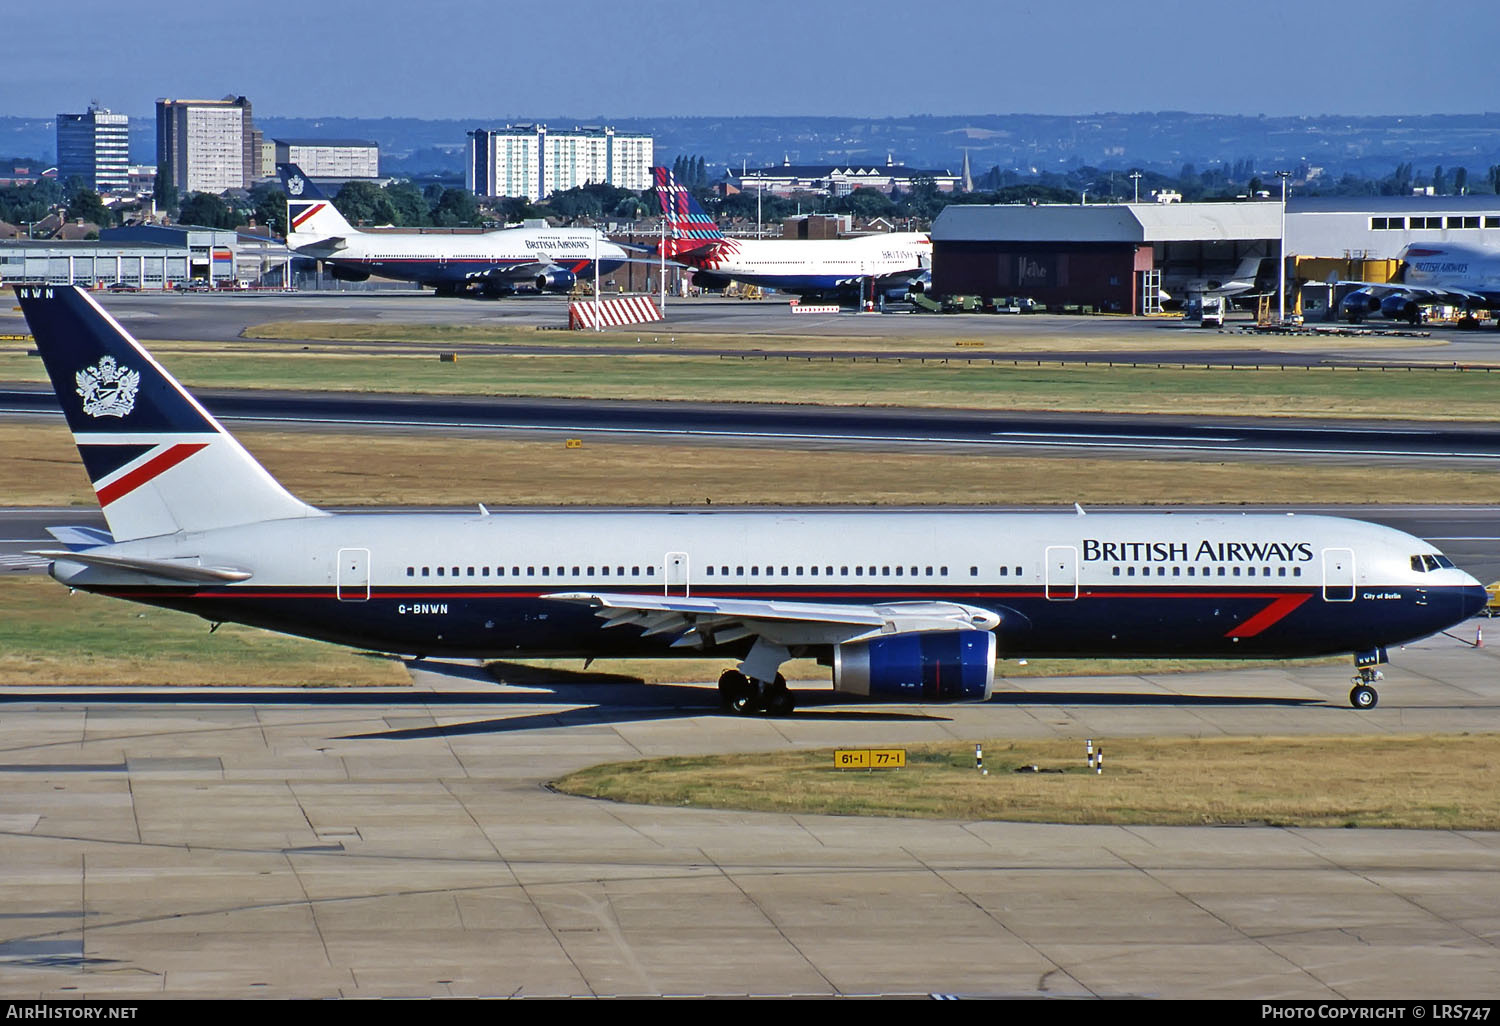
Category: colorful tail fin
[309,213]
[160,463]
[688,227]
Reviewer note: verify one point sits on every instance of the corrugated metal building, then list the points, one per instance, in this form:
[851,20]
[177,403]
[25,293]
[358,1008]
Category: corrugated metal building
[1114,256]
[1103,255]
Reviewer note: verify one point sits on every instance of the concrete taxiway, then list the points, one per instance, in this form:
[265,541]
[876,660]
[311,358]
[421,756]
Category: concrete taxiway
[404,843]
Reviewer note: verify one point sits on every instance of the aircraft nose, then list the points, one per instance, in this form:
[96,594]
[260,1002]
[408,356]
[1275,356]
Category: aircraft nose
[1472,598]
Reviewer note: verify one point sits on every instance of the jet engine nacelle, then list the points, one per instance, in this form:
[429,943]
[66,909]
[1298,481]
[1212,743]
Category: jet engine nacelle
[555,279]
[938,666]
[1400,308]
[1358,305]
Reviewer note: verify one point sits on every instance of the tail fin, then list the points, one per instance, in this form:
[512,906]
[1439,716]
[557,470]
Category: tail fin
[309,213]
[160,463]
[688,227]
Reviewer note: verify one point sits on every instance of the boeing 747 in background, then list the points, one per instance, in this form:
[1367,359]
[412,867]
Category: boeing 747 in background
[902,606]
[1431,274]
[490,263]
[900,260]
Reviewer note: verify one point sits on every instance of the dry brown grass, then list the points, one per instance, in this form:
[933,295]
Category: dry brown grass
[39,466]
[1419,781]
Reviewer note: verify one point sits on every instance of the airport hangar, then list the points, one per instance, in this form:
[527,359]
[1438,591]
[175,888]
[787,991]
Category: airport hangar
[148,257]
[1120,257]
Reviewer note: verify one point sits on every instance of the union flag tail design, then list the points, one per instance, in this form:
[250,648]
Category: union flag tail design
[308,211]
[159,461]
[688,227]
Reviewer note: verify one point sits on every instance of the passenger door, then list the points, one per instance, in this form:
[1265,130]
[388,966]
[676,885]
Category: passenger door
[1338,575]
[352,583]
[1062,573]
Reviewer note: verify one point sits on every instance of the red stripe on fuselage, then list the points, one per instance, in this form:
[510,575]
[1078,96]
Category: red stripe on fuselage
[1272,614]
[147,471]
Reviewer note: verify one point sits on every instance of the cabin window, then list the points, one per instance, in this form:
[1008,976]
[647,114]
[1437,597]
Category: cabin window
[1296,571]
[1130,571]
[484,572]
[1281,571]
[1191,571]
[770,571]
[440,571]
[942,571]
[604,571]
[546,571]
[973,571]
[1004,571]
[859,571]
[471,571]
[885,571]
[411,571]
[635,571]
[724,571]
[813,569]
[1252,571]
[929,571]
[591,571]
[784,572]
[739,571]
[426,571]
[710,571]
[562,571]
[531,571]
[455,571]
[515,571]
[843,571]
[619,571]
[755,571]
[898,571]
[651,571]
[799,571]
[1018,571]
[872,571]
[1236,571]
[1117,571]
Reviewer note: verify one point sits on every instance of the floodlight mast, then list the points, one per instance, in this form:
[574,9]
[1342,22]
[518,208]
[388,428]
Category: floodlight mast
[1281,287]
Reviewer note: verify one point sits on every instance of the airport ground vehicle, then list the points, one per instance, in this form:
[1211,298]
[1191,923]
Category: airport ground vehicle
[1211,313]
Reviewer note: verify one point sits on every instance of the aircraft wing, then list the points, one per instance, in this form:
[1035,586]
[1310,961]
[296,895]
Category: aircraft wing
[1421,293]
[172,570]
[705,622]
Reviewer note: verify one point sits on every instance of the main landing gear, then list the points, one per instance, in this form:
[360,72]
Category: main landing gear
[746,696]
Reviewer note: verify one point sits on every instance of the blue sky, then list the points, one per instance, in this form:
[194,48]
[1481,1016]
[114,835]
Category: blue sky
[871,58]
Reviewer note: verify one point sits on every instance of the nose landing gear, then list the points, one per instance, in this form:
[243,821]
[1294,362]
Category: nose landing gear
[1363,695]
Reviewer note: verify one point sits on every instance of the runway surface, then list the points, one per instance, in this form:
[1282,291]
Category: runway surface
[223,317]
[403,843]
[794,425]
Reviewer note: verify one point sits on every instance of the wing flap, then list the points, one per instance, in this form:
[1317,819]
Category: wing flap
[703,622]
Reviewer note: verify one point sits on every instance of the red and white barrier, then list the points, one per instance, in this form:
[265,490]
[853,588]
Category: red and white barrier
[631,310]
[815,308]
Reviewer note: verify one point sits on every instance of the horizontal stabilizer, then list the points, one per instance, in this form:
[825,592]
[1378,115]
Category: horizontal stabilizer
[172,570]
[76,538]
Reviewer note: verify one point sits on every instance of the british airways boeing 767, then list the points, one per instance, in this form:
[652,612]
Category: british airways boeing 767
[903,606]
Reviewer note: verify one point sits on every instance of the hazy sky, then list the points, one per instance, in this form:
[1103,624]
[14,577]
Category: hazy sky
[874,58]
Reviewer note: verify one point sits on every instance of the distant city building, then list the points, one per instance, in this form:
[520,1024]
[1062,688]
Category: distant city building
[95,146]
[530,161]
[787,179]
[208,145]
[142,178]
[331,158]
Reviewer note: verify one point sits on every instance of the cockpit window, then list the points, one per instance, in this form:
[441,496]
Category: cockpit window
[1431,561]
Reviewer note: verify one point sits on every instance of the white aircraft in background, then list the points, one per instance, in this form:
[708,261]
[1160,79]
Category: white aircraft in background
[895,260]
[494,262]
[1431,273]
[903,606]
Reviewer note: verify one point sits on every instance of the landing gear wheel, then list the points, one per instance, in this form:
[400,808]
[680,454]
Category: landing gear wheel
[1362,696]
[738,694]
[779,701]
